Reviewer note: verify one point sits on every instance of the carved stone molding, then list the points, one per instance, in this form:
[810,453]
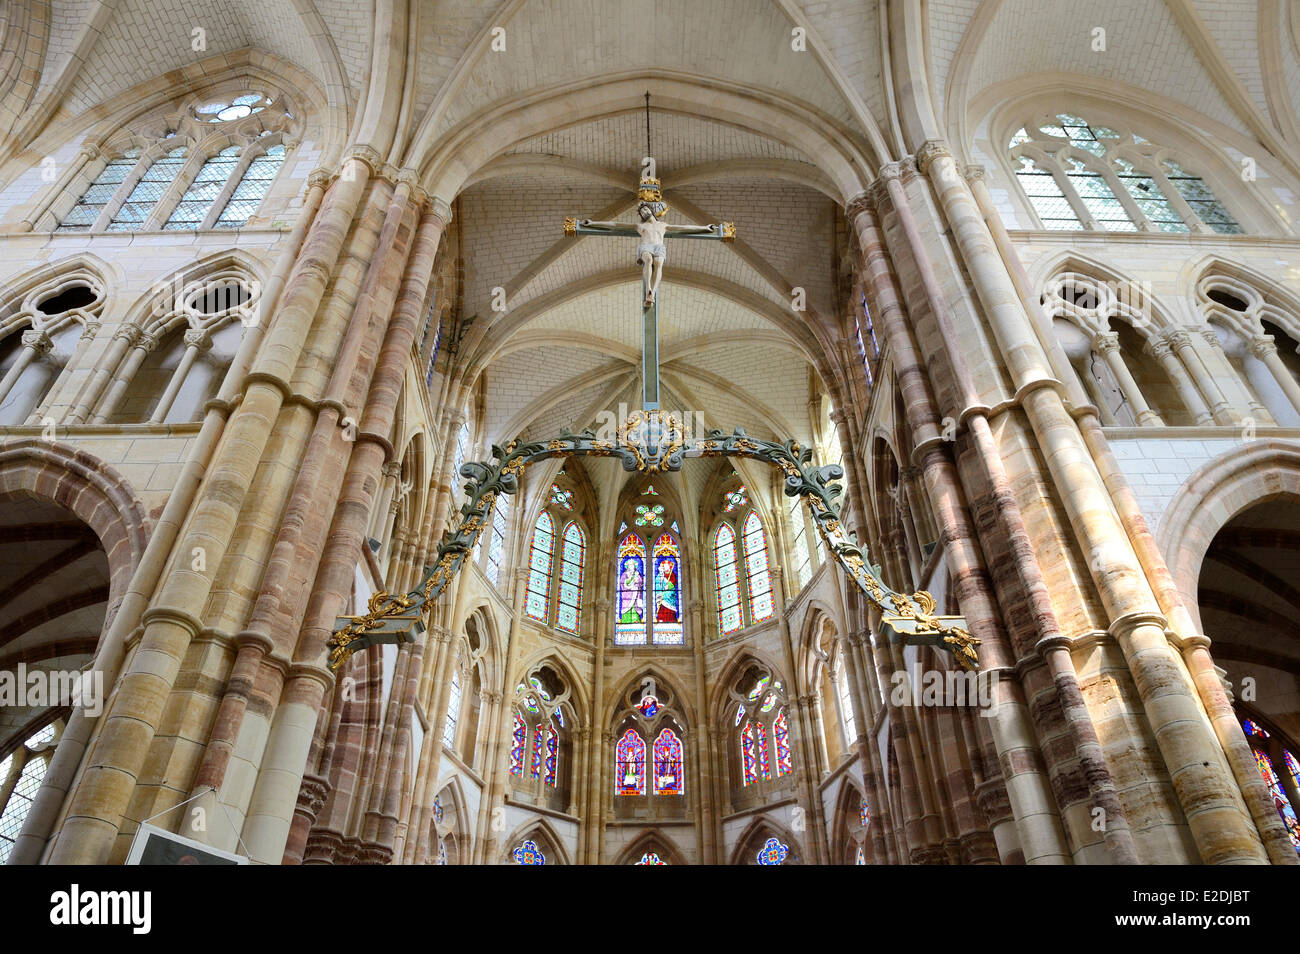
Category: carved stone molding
[199,339]
[38,341]
[1106,342]
[931,150]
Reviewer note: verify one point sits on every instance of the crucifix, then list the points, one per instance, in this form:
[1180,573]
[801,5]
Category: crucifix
[650,255]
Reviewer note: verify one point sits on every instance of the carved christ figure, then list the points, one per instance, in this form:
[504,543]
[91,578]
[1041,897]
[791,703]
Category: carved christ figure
[650,252]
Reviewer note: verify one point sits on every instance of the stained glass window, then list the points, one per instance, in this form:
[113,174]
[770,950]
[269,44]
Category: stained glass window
[759,687]
[561,498]
[769,702]
[497,540]
[629,759]
[146,193]
[1097,197]
[1202,201]
[740,714]
[1045,195]
[649,491]
[860,858]
[757,578]
[668,763]
[651,858]
[572,548]
[781,736]
[203,191]
[442,853]
[1259,742]
[667,592]
[437,809]
[538,595]
[864,815]
[252,189]
[631,625]
[20,800]
[541,690]
[649,515]
[237,108]
[559,717]
[552,754]
[518,740]
[1153,202]
[1080,134]
[97,195]
[1280,801]
[673,527]
[529,854]
[724,566]
[648,705]
[622,526]
[734,500]
[453,711]
[773,852]
[753,745]
[539,751]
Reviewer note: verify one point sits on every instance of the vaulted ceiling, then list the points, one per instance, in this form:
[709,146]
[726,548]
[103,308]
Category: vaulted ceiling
[769,113]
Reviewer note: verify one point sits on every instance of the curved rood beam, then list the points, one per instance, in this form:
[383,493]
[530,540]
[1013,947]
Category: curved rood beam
[652,442]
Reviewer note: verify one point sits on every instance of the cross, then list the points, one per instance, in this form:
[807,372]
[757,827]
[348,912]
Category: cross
[650,256]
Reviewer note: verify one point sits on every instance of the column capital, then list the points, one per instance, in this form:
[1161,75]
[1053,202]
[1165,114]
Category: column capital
[146,340]
[857,205]
[90,329]
[931,150]
[1211,338]
[441,208]
[974,173]
[37,340]
[198,338]
[1161,348]
[1261,346]
[89,152]
[392,469]
[369,155]
[319,178]
[1106,342]
[1178,338]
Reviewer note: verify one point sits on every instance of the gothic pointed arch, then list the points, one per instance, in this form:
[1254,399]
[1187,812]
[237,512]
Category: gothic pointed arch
[768,838]
[653,843]
[537,835]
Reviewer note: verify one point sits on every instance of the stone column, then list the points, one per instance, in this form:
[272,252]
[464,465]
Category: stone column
[1207,793]
[494,773]
[1229,374]
[595,823]
[1162,350]
[1265,349]
[36,344]
[140,343]
[383,354]
[703,730]
[197,341]
[1108,345]
[1180,339]
[1011,726]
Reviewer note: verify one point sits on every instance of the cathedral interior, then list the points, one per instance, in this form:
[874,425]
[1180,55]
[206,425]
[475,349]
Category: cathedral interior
[937,501]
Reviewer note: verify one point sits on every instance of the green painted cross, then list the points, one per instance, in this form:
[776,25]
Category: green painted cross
[650,256]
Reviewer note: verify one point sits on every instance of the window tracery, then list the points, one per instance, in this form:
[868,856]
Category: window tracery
[1078,175]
